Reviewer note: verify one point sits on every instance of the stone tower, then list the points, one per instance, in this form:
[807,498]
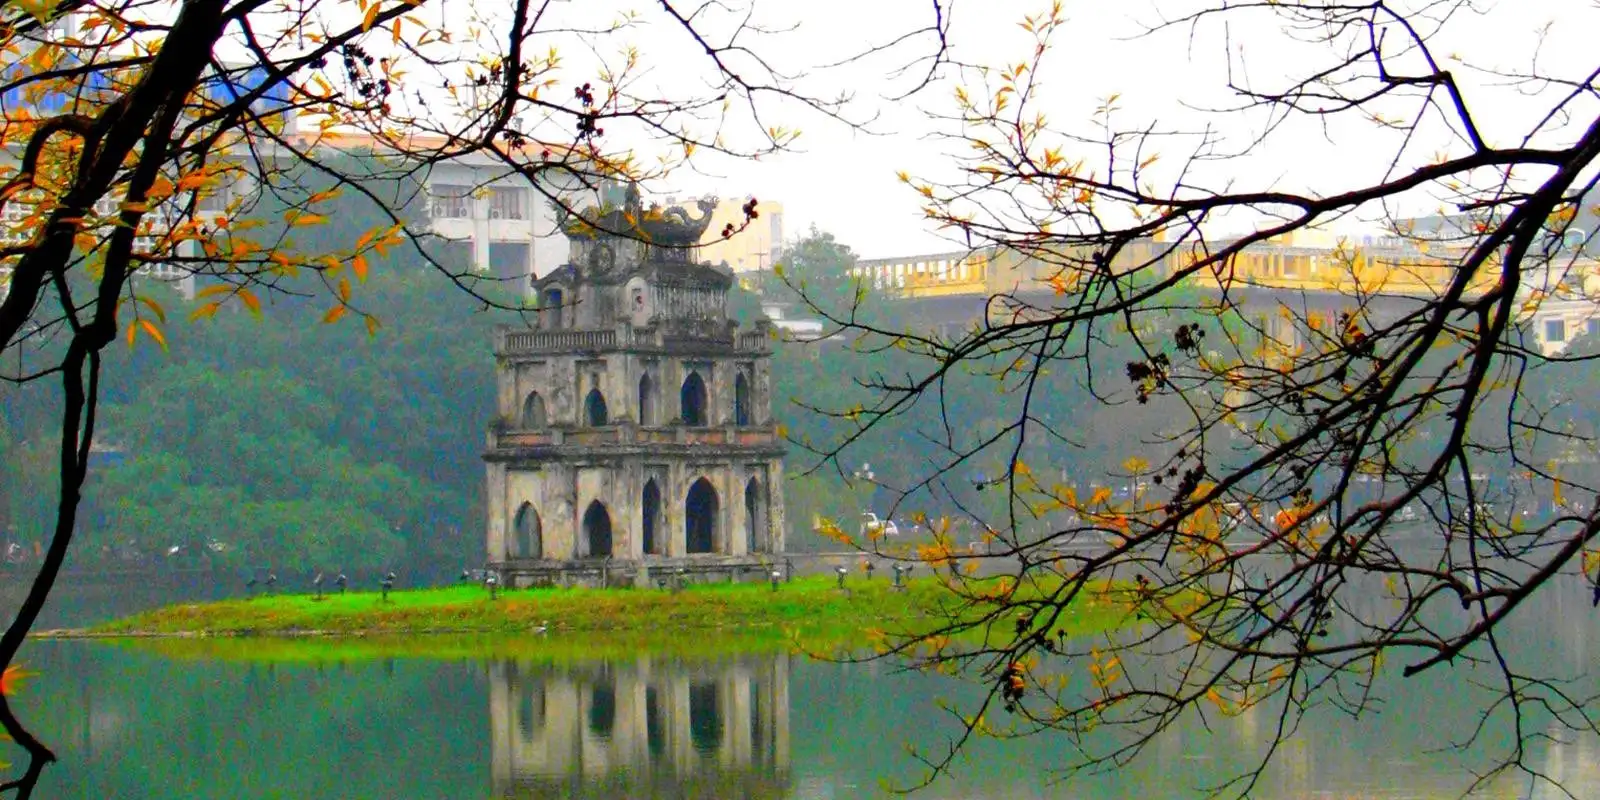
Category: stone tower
[634,425]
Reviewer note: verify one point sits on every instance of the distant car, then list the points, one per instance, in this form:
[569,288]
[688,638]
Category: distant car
[873,527]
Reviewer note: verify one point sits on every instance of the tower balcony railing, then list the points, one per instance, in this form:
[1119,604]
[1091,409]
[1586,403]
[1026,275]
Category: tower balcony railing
[522,341]
[633,435]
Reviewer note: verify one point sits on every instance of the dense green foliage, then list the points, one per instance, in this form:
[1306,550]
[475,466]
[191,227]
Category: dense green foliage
[281,442]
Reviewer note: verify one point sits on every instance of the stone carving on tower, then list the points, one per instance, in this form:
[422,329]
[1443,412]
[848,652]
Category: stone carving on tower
[634,428]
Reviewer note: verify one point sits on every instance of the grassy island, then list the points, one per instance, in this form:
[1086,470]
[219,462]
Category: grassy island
[813,611]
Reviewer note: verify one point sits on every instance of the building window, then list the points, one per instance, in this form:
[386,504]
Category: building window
[1555,330]
[509,260]
[507,202]
[449,201]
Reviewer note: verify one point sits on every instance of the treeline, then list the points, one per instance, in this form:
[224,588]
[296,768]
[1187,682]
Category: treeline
[281,441]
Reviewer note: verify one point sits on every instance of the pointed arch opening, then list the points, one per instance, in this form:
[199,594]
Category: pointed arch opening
[741,400]
[533,412]
[528,538]
[652,518]
[692,400]
[700,518]
[597,530]
[647,400]
[755,516]
[594,408]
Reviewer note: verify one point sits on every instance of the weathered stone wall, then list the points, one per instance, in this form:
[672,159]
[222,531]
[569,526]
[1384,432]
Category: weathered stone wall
[563,382]
[561,493]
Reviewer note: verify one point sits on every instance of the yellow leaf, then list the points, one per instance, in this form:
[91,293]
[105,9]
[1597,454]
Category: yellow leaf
[155,333]
[333,315]
[326,194]
[249,299]
[195,180]
[209,309]
[213,290]
[370,18]
[344,290]
[306,219]
[358,265]
[154,307]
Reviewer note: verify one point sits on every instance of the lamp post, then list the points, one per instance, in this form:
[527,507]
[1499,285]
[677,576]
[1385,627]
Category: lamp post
[841,572]
[388,583]
[340,582]
[316,584]
[774,578]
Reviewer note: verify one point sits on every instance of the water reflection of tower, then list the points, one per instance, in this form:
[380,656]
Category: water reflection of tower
[641,728]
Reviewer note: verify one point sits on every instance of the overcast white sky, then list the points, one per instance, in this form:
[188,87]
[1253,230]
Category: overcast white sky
[844,180]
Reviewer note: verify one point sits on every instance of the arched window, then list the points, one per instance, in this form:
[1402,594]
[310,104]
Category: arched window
[741,400]
[692,399]
[597,530]
[533,413]
[550,309]
[527,540]
[647,400]
[594,408]
[652,517]
[755,516]
[700,518]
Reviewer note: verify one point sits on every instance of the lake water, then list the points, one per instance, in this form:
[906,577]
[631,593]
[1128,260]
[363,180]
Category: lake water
[131,721]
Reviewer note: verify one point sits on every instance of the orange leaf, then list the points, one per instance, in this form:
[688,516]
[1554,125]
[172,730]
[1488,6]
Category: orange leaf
[250,301]
[155,333]
[133,331]
[155,307]
[372,325]
[11,680]
[344,290]
[371,17]
[358,265]
[206,310]
[333,315]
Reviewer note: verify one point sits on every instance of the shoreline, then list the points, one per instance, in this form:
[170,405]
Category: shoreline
[812,610]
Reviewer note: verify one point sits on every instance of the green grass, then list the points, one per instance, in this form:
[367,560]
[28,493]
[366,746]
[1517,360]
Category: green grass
[811,613]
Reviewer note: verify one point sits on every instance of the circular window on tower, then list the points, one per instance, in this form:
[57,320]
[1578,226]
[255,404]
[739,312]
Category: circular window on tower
[638,294]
